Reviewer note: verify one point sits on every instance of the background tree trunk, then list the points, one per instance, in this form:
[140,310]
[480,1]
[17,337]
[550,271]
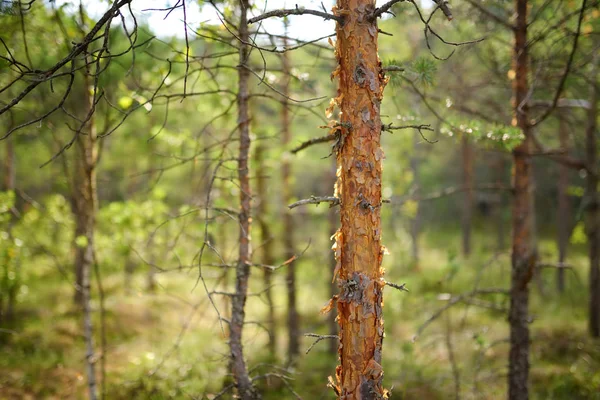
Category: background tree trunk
[467,176]
[288,219]
[564,207]
[244,386]
[358,242]
[85,203]
[523,256]
[415,222]
[266,243]
[592,212]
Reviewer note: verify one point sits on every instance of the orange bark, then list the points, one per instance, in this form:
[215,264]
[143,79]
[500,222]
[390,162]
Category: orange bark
[358,242]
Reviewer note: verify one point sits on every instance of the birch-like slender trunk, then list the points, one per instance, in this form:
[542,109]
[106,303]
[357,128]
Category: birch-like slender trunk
[358,241]
[592,205]
[84,196]
[523,253]
[288,219]
[243,383]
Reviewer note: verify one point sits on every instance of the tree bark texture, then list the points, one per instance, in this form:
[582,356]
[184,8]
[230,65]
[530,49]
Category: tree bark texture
[332,220]
[85,204]
[288,219]
[564,207]
[243,383]
[523,254]
[358,246]
[592,204]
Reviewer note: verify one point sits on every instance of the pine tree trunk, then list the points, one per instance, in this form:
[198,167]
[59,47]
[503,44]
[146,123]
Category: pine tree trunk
[358,242]
[332,220]
[288,219]
[592,204]
[467,215]
[564,208]
[523,255]
[266,242]
[243,383]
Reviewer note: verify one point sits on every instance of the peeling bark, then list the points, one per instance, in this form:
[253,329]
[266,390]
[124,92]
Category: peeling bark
[243,383]
[523,253]
[288,219]
[333,225]
[358,246]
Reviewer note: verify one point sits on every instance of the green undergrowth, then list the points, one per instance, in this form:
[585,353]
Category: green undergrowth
[169,344]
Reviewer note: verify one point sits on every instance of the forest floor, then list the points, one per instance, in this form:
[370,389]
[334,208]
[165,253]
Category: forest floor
[169,344]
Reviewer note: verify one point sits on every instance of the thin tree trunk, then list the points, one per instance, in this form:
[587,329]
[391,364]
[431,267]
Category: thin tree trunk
[288,219]
[500,229]
[9,165]
[467,215]
[592,211]
[564,208]
[358,242]
[266,241]
[333,225]
[523,255]
[9,185]
[415,222]
[243,383]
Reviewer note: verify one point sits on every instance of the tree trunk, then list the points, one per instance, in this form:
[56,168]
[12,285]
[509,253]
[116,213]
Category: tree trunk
[9,165]
[523,255]
[288,219]
[243,383]
[84,207]
[467,215]
[564,208]
[500,230]
[333,225]
[266,242]
[9,185]
[358,242]
[592,212]
[415,222]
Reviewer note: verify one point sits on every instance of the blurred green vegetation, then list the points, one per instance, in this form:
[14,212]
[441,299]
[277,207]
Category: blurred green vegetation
[164,340]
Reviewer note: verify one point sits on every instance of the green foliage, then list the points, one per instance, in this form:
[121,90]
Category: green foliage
[485,134]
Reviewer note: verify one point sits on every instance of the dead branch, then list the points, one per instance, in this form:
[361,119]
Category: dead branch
[319,338]
[332,200]
[295,11]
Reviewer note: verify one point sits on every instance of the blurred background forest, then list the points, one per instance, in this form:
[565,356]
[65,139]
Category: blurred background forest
[121,173]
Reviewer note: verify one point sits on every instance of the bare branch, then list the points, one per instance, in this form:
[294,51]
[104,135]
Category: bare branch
[317,140]
[295,11]
[319,338]
[333,201]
